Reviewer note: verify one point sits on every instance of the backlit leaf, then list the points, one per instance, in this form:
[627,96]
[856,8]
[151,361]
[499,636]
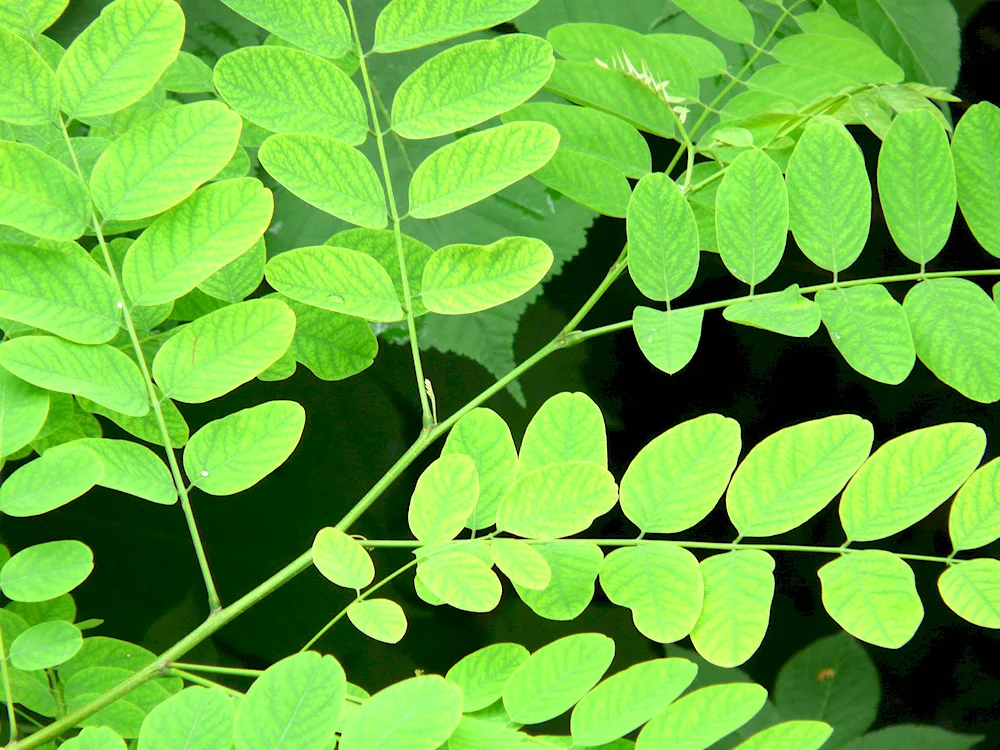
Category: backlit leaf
[797,84]
[96,738]
[239,277]
[195,719]
[574,565]
[415,714]
[975,514]
[483,673]
[29,92]
[972,590]
[45,571]
[408,24]
[45,645]
[705,58]
[703,717]
[29,18]
[231,454]
[662,239]
[462,580]
[790,735]
[786,312]
[976,151]
[319,27]
[727,18]
[39,195]
[128,467]
[50,481]
[668,338]
[341,559]
[567,427]
[147,427]
[445,495]
[588,180]
[861,61]
[790,476]
[381,619]
[521,563]
[23,409]
[188,74]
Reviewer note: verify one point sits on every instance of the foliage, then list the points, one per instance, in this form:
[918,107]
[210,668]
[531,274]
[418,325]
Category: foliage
[433,170]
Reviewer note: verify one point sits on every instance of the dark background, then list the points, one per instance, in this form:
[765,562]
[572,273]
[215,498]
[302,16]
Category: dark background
[947,675]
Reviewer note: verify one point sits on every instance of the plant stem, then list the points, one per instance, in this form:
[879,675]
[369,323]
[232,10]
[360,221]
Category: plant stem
[11,717]
[199,549]
[613,273]
[208,669]
[198,680]
[411,325]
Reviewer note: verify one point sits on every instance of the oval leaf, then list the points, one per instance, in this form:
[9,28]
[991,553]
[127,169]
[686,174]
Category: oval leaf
[972,590]
[483,673]
[703,717]
[790,735]
[567,427]
[380,619]
[727,18]
[408,24]
[445,495]
[668,338]
[976,151]
[341,559]
[57,477]
[195,719]
[462,580]
[45,571]
[786,312]
[39,195]
[574,565]
[975,514]
[521,563]
[319,27]
[128,467]
[46,645]
[29,92]
[23,410]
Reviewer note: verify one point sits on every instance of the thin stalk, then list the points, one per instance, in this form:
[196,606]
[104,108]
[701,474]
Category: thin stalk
[199,680]
[209,669]
[613,273]
[411,325]
[214,603]
[5,672]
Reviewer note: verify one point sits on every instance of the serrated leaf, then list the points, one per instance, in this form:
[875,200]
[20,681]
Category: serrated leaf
[100,373]
[236,280]
[231,454]
[521,563]
[662,585]
[162,160]
[556,676]
[976,152]
[415,714]
[956,332]
[479,165]
[445,495]
[118,58]
[327,174]
[289,90]
[341,559]
[484,437]
[751,217]
[483,673]
[321,28]
[39,195]
[45,571]
[971,589]
[296,702]
[827,169]
[29,92]
[195,719]
[195,239]
[338,279]
[668,338]
[790,735]
[908,477]
[128,467]
[574,565]
[703,717]
[381,619]
[628,699]
[188,74]
[860,61]
[792,475]
[46,645]
[676,480]
[50,481]
[408,24]
[223,350]
[739,588]
[462,580]
[567,427]
[975,515]
[557,500]
[786,312]
[870,329]
[727,18]
[916,185]
[470,83]
[23,411]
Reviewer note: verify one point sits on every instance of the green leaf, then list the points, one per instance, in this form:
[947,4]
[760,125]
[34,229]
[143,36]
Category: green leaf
[29,18]
[751,217]
[327,174]
[628,699]
[908,477]
[46,645]
[727,18]
[462,580]
[870,329]
[118,58]
[341,559]
[703,717]
[676,480]
[976,151]
[972,590]
[408,24]
[288,90]
[51,481]
[29,93]
[223,350]
[975,516]
[871,594]
[337,279]
[100,373]
[128,467]
[790,735]
[668,338]
[790,476]
[567,427]
[461,279]
[195,239]
[521,563]
[188,74]
[956,332]
[35,613]
[916,185]
[828,169]
[468,84]
[239,277]
[861,61]
[45,571]
[60,290]
[146,428]
[483,673]
[662,239]
[556,676]
[96,738]
[332,345]
[588,180]
[832,680]
[322,29]
[479,165]
[162,160]
[557,500]
[23,410]
[796,84]
[195,719]
[444,497]
[786,312]
[914,736]
[574,565]
[483,436]
[39,195]
[661,583]
[124,716]
[381,619]
[296,703]
[100,651]
[705,58]
[739,588]
[232,454]
[415,714]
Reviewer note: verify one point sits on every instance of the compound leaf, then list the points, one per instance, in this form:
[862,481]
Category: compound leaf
[668,338]
[567,427]
[39,195]
[408,24]
[319,27]
[444,497]
[415,714]
[703,717]
[574,565]
[381,619]
[45,571]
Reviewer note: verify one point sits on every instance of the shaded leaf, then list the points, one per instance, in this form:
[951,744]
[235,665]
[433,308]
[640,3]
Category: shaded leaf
[50,481]
[786,312]
[321,28]
[45,645]
[195,719]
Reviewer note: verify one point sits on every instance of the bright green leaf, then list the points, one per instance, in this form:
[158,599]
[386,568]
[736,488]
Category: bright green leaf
[444,497]
[50,481]
[96,738]
[125,715]
[976,151]
[39,195]
[45,645]
[408,24]
[796,84]
[147,427]
[462,580]
[662,239]
[972,590]
[705,58]
[588,180]
[195,719]
[29,18]
[790,735]
[23,410]
[483,673]
[188,74]
[975,514]
[45,571]
[319,27]
[727,18]
[786,312]
[381,619]
[236,280]
[574,565]
[861,61]
[331,345]
[521,563]
[703,717]
[668,338]
[567,427]
[29,92]
[128,467]
[341,559]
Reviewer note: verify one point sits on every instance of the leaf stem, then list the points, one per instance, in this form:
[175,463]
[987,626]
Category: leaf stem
[8,693]
[613,273]
[208,669]
[198,680]
[425,408]
[199,549]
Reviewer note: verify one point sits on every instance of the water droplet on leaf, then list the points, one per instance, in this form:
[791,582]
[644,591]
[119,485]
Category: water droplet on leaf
[335,299]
